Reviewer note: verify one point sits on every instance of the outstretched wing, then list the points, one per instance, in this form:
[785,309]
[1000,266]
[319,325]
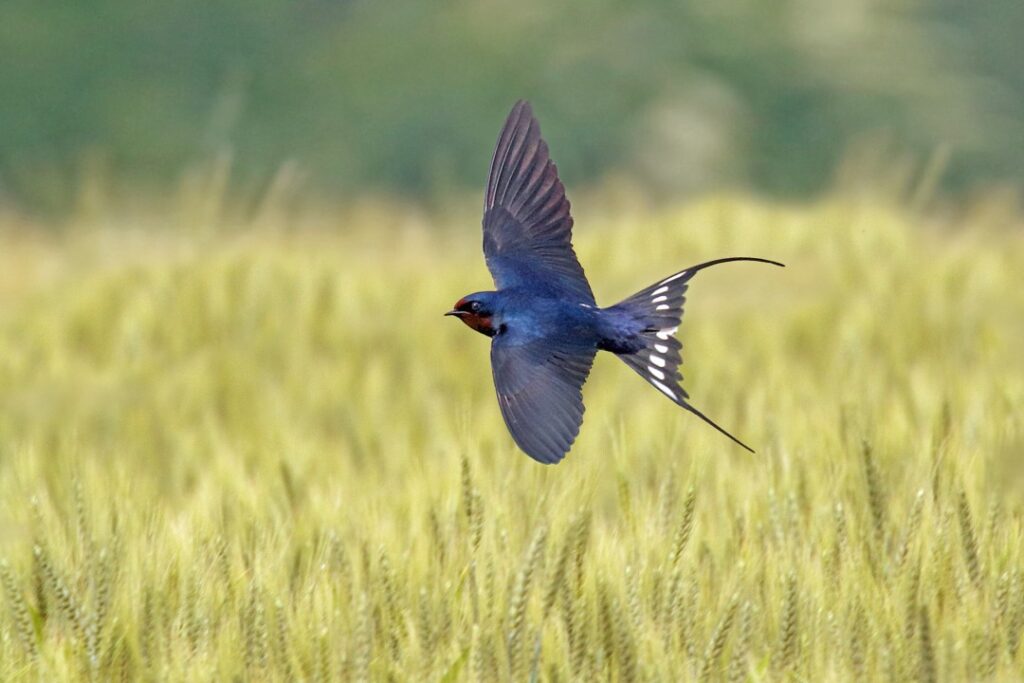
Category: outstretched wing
[527,225]
[539,385]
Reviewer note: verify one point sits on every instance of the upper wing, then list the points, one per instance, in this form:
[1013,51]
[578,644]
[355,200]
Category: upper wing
[527,225]
[539,385]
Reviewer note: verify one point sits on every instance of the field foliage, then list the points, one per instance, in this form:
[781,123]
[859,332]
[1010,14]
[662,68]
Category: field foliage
[258,452]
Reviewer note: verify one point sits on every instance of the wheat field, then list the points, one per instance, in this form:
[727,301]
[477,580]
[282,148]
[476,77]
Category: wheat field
[251,448]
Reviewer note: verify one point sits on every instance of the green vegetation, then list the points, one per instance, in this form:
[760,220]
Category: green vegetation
[408,96]
[260,453]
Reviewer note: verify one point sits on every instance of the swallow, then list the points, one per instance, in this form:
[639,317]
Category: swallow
[544,324]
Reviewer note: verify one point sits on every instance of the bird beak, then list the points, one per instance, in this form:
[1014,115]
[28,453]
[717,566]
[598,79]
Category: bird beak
[453,312]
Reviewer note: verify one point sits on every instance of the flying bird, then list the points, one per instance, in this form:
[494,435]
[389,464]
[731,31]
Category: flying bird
[544,324]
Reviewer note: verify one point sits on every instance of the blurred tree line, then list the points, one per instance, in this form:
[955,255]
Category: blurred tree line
[408,96]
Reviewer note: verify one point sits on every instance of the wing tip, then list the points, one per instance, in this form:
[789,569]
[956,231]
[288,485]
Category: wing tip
[521,105]
[519,124]
[521,115]
[551,460]
[544,457]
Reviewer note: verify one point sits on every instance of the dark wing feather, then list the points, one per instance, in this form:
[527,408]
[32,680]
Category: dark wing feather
[539,385]
[527,224]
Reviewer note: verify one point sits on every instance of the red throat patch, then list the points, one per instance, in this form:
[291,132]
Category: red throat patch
[478,323]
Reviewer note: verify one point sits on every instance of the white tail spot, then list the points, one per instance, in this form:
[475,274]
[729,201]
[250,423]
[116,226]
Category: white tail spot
[664,389]
[666,333]
[655,372]
[659,290]
[674,277]
[662,307]
[658,360]
[661,348]
[659,299]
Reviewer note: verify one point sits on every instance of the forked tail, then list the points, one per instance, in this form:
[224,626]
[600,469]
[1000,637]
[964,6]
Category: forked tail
[658,310]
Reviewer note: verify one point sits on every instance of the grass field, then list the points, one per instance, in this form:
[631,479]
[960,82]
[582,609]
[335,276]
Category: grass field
[258,452]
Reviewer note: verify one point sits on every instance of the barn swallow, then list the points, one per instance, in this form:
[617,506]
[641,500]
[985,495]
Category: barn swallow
[544,324]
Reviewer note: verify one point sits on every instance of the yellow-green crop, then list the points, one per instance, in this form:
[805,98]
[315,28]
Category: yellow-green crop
[261,453]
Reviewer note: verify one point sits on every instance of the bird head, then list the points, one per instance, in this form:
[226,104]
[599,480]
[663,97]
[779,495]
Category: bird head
[477,311]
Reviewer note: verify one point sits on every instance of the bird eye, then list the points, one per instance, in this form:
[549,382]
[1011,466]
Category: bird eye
[474,307]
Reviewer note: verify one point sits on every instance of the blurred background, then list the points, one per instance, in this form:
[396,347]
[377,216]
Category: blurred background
[238,440]
[352,96]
